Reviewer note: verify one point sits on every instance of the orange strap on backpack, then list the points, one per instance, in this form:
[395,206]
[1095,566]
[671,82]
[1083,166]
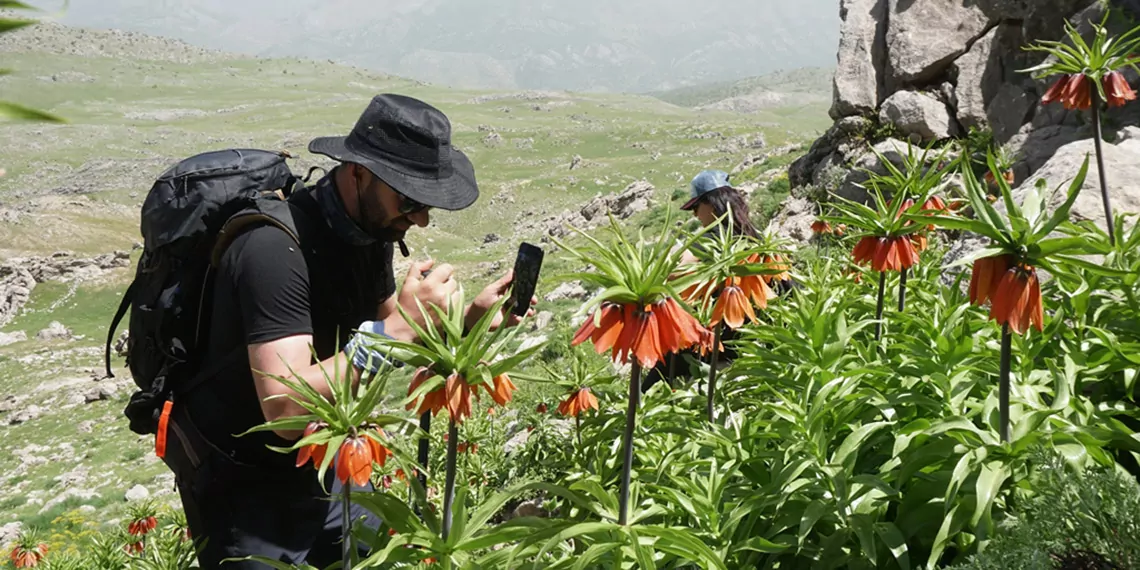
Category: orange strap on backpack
[160,436]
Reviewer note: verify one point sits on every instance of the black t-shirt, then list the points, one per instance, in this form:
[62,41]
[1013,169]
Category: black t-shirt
[266,287]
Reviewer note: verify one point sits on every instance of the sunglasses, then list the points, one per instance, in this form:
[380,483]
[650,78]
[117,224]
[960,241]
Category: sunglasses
[410,206]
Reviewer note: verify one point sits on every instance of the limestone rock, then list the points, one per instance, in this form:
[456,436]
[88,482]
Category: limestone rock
[862,47]
[10,532]
[1122,164]
[26,415]
[979,78]
[794,219]
[542,320]
[918,114]
[634,199]
[925,36]
[137,493]
[54,331]
[568,290]
[12,337]
[16,284]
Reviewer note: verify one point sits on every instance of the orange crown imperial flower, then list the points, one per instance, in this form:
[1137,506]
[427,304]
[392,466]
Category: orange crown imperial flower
[647,332]
[1077,93]
[28,557]
[142,526]
[733,305]
[1116,89]
[577,402]
[355,458]
[1016,300]
[433,401]
[314,451]
[502,391]
[886,253]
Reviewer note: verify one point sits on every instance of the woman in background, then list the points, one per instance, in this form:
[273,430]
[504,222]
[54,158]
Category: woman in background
[710,197]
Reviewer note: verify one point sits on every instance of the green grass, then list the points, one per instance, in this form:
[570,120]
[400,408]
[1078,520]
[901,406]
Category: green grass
[814,81]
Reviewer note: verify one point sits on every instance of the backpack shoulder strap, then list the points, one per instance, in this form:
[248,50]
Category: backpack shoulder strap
[119,313]
[272,211]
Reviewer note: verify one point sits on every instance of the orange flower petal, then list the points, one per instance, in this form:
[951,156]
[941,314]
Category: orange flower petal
[458,398]
[354,461]
[865,250]
[648,351]
[504,389]
[630,327]
[584,332]
[609,331]
[379,452]
[1055,92]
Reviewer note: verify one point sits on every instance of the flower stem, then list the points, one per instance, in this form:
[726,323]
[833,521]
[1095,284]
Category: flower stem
[578,428]
[712,370]
[346,524]
[902,290]
[1003,383]
[627,440]
[879,307]
[1108,220]
[422,457]
[449,485]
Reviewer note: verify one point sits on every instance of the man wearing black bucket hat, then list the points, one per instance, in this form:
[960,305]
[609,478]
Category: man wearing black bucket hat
[274,296]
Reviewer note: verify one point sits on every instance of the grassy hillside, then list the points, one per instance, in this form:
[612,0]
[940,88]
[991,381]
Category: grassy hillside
[812,82]
[79,186]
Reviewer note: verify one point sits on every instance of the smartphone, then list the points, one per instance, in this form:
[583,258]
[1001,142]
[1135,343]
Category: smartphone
[527,265]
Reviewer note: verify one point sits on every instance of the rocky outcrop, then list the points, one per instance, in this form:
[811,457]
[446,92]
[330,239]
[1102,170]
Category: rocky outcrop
[862,47]
[19,275]
[16,284]
[633,199]
[933,70]
[925,36]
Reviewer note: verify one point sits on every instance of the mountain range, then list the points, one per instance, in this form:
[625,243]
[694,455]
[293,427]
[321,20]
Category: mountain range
[587,45]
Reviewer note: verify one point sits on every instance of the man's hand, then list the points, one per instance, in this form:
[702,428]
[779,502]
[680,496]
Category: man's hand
[487,298]
[436,288]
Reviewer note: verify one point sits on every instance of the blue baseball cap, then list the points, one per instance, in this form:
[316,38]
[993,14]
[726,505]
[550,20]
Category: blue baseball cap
[702,184]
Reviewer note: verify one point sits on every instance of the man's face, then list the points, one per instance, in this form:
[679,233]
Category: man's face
[378,209]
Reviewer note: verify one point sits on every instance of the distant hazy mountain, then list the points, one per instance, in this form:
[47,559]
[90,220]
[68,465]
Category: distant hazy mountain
[610,45]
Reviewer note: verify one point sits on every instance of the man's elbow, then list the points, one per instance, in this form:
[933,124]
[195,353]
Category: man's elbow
[280,408]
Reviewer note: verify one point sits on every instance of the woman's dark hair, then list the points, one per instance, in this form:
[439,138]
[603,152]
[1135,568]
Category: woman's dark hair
[720,200]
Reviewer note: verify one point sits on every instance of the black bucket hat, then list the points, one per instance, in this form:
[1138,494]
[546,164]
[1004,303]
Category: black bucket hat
[407,144]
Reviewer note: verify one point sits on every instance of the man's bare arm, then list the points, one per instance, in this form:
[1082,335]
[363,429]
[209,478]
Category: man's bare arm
[275,358]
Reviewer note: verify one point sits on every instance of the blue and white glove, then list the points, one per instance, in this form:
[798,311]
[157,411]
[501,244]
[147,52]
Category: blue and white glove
[364,356]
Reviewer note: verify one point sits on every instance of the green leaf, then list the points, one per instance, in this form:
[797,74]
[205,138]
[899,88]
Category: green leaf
[853,441]
[643,554]
[993,474]
[1095,268]
[10,24]
[1061,214]
[1051,246]
[673,537]
[594,552]
[760,544]
[890,535]
[19,112]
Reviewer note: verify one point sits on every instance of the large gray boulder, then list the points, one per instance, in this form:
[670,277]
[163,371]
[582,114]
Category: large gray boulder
[860,61]
[925,36]
[918,115]
[1122,176]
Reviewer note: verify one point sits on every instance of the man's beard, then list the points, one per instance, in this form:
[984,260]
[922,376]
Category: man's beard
[387,234]
[383,233]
